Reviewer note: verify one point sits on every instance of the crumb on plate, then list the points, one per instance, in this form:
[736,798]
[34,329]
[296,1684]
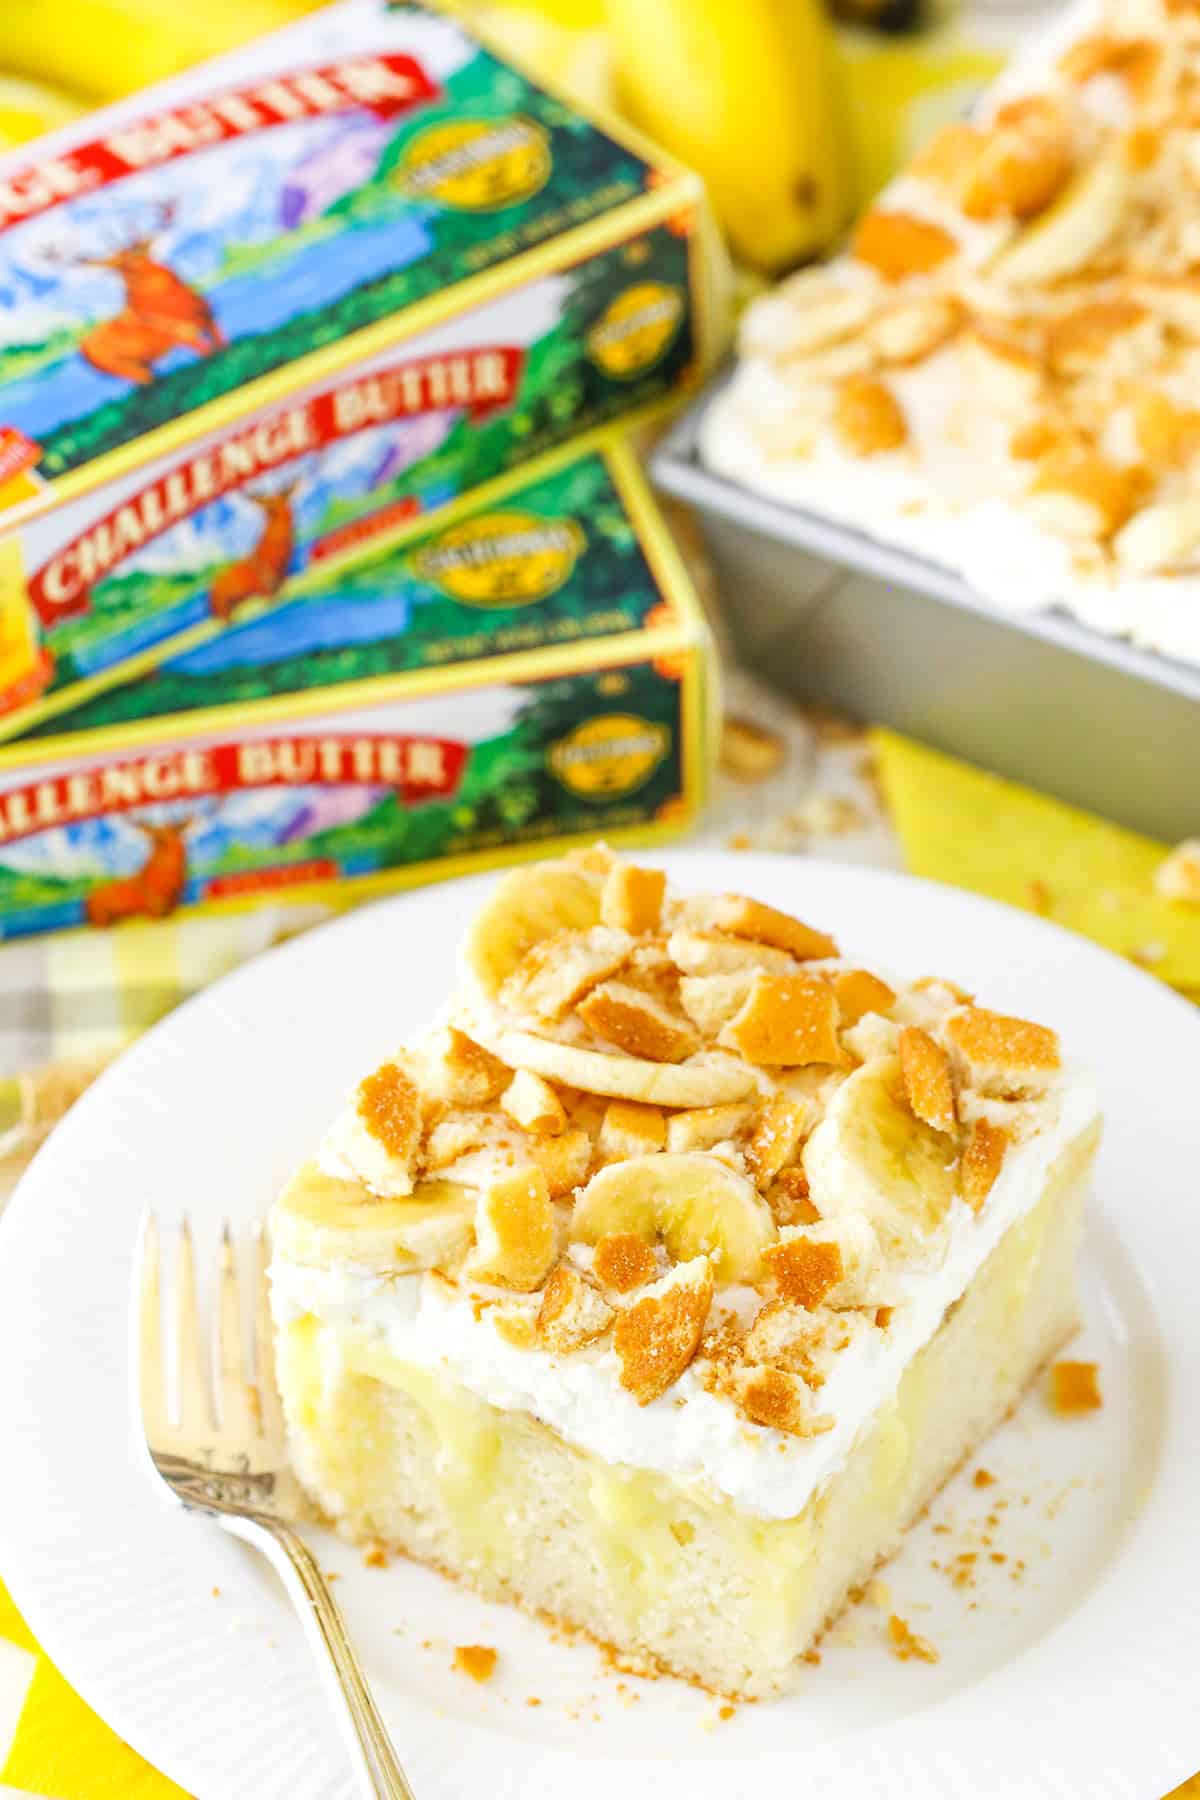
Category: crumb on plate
[1075,1387]
[476,1660]
[906,1644]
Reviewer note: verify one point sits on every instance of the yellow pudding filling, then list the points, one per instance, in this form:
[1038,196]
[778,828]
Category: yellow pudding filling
[678,1576]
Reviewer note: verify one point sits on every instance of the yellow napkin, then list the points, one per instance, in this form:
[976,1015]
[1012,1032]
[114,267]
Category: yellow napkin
[61,1750]
[960,825]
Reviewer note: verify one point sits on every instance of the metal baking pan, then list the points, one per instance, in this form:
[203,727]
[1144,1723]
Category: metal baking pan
[829,615]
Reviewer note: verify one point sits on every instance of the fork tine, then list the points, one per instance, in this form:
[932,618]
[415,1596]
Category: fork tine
[269,1405]
[156,1417]
[238,1412]
[195,1395]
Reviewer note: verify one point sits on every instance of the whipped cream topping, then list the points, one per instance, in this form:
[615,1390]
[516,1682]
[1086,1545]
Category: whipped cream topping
[688,1433]
[927,503]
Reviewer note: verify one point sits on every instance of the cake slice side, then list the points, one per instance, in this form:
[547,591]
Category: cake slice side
[678,1372]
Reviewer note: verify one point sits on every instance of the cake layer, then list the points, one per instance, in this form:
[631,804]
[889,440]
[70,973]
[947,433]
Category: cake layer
[661,1567]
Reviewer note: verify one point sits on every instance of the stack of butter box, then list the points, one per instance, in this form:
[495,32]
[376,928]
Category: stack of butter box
[321,559]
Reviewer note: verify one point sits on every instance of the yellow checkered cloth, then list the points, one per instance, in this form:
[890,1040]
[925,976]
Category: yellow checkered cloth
[70,1002]
[82,996]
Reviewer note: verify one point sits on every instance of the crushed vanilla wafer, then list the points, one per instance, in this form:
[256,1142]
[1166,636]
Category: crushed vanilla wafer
[647,1101]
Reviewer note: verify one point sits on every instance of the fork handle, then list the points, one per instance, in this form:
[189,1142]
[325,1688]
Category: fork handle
[379,1772]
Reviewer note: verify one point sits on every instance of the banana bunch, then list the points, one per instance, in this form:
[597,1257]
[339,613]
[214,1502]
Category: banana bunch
[579,61]
[101,49]
[747,95]
[28,108]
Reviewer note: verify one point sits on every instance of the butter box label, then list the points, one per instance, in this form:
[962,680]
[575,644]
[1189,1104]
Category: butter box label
[175,553]
[474,381]
[549,559]
[178,248]
[505,558]
[348,801]
[384,85]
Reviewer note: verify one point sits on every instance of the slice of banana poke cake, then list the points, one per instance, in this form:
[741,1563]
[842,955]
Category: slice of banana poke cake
[662,1286]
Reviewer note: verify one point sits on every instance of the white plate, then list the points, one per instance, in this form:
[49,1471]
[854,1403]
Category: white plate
[1078,1677]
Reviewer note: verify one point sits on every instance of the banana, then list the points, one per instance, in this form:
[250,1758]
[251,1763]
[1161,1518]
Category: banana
[1175,300]
[1075,227]
[704,1081]
[579,62]
[322,1222]
[105,48]
[524,907]
[27,108]
[914,327]
[869,1155]
[1159,537]
[748,96]
[696,1204]
[808,312]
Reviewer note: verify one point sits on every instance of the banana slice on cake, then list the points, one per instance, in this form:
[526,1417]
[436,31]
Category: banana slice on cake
[871,1155]
[524,907]
[697,1205]
[323,1222]
[709,1079]
[1075,227]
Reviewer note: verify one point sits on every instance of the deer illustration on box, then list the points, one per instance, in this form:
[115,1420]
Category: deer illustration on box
[156,889]
[260,574]
[162,311]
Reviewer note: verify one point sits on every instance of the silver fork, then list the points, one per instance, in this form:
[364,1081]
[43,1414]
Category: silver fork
[232,1463]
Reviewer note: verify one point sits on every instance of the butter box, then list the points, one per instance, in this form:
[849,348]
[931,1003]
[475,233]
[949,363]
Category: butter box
[531,669]
[294,299]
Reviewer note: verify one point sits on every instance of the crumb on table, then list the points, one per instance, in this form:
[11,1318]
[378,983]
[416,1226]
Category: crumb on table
[1178,876]
[1075,1387]
[905,1643]
[476,1660]
[748,752]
